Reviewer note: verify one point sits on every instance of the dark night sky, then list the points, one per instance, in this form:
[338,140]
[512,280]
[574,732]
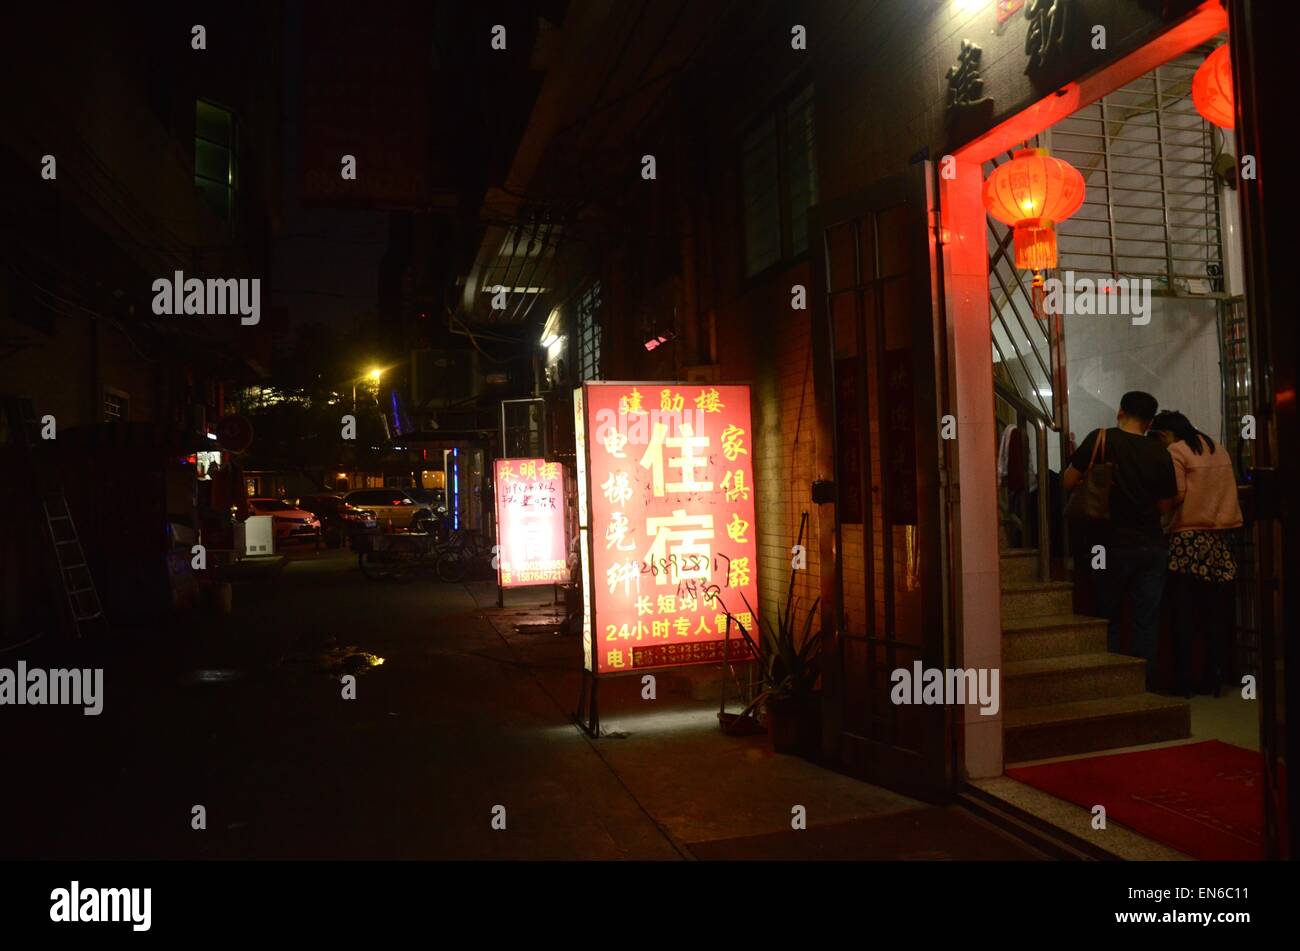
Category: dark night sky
[325,260]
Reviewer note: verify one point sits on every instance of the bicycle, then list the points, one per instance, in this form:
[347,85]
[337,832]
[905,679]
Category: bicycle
[394,557]
[462,552]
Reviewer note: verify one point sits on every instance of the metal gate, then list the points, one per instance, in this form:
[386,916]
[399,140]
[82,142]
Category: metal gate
[878,358]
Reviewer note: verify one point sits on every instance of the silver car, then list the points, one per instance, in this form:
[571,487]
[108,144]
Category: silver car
[395,504]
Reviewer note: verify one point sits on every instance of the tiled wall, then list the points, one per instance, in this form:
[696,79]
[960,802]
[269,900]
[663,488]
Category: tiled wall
[1175,358]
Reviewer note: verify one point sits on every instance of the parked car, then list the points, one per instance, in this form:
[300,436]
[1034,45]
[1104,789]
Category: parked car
[339,521]
[437,500]
[434,498]
[395,504]
[290,523]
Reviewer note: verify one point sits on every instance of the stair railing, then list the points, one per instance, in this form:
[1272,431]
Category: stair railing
[1040,424]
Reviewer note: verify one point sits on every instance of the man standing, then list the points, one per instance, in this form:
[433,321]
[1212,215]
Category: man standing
[1136,554]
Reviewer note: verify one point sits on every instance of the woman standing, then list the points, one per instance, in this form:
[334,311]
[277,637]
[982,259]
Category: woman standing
[1201,564]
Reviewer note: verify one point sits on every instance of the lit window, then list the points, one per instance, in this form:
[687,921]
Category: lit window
[552,339]
[116,405]
[589,333]
[216,172]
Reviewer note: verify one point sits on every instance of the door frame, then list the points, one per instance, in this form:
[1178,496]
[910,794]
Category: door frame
[1262,50]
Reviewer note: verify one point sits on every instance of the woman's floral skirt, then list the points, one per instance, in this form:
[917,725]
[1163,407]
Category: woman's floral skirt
[1206,555]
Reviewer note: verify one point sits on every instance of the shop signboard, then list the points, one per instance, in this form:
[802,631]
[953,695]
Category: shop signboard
[667,523]
[530,523]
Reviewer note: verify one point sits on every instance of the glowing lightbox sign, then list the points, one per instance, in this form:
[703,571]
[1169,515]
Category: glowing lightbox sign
[530,522]
[668,532]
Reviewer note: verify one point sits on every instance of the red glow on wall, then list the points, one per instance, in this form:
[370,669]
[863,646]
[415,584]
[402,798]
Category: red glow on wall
[1032,193]
[530,522]
[1212,88]
[669,534]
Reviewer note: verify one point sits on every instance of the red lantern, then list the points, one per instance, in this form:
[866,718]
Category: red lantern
[1212,88]
[1032,193]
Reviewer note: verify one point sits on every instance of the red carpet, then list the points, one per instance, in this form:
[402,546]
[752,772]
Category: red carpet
[1203,799]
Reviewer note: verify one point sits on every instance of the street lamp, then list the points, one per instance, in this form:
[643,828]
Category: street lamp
[374,374]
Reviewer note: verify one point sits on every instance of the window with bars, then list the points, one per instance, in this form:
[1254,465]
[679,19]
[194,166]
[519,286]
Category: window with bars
[589,333]
[1237,398]
[778,171]
[216,171]
[801,165]
[116,406]
[1148,159]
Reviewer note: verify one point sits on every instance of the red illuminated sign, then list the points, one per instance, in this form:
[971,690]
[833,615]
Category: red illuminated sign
[530,523]
[666,514]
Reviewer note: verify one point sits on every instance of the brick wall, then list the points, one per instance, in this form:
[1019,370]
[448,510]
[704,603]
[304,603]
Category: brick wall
[786,431]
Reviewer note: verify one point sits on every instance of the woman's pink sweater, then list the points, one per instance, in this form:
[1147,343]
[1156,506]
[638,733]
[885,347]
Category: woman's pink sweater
[1207,488]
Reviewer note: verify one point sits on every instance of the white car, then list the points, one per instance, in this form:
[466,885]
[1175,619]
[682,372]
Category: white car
[395,504]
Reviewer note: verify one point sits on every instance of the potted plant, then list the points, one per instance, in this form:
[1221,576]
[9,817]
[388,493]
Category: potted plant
[792,665]
[791,654]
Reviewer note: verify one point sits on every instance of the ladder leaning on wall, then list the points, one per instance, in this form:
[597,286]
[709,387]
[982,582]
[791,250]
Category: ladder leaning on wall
[85,612]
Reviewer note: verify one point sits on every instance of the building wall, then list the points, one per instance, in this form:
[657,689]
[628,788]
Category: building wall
[112,99]
[786,435]
[879,72]
[84,248]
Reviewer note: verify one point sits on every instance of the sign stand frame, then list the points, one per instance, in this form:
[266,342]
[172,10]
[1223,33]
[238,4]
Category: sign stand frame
[745,722]
[588,717]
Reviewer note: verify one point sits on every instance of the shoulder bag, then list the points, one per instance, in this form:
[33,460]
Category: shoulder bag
[1091,500]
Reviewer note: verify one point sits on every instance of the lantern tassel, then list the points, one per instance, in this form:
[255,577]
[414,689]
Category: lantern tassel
[1035,244]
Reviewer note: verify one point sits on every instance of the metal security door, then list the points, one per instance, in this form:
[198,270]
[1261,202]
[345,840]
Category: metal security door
[880,367]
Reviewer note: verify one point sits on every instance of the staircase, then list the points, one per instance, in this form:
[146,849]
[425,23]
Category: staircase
[1063,691]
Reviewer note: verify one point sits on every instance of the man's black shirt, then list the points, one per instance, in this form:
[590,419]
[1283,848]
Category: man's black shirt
[1144,474]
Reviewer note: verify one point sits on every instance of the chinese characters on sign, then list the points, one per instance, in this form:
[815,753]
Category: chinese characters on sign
[965,85]
[1049,23]
[530,522]
[670,539]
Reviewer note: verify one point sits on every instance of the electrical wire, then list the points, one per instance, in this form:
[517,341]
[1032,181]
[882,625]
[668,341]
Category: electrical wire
[84,312]
[14,647]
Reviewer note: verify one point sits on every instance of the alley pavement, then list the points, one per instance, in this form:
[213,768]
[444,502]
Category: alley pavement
[462,715]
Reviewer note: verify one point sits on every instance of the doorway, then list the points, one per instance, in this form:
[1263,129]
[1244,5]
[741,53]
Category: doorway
[1079,718]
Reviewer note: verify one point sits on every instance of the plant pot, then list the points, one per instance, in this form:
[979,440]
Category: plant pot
[795,724]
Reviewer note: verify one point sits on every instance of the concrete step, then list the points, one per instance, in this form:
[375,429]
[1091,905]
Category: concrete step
[1049,680]
[1019,564]
[1022,599]
[1085,726]
[1052,635]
